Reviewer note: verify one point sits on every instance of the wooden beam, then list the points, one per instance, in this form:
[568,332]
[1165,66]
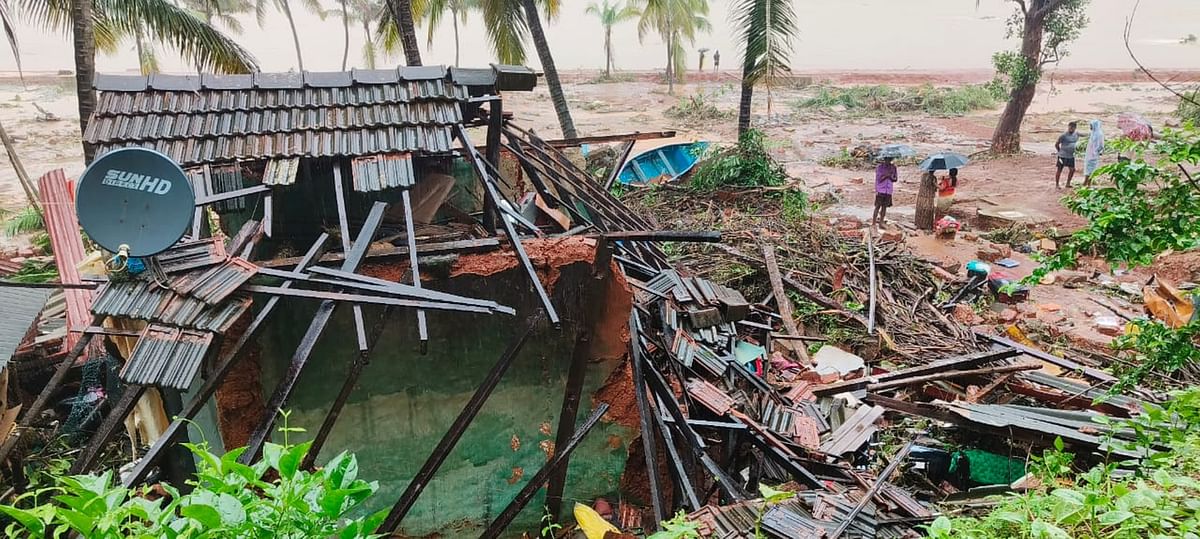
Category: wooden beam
[1090,372]
[603,139]
[646,418]
[475,245]
[622,157]
[513,238]
[704,236]
[955,363]
[339,195]
[526,494]
[246,191]
[879,482]
[422,326]
[781,297]
[320,320]
[455,432]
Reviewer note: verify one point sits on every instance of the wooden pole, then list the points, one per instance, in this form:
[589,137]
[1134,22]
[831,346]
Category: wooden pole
[879,482]
[26,183]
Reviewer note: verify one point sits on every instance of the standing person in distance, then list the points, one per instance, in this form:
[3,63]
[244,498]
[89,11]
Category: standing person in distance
[885,177]
[1065,146]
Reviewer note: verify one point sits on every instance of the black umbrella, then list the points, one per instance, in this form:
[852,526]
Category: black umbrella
[944,161]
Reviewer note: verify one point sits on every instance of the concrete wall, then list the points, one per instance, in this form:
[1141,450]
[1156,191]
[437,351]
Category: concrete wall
[405,402]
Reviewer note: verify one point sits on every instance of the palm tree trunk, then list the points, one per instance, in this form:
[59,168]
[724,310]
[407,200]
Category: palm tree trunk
[370,56]
[84,37]
[141,53]
[287,12]
[744,105]
[608,60]
[402,13]
[671,63]
[551,72]
[455,15]
[926,198]
[346,32]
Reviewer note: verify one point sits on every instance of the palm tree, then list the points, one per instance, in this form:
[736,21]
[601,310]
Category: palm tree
[674,21]
[364,13]
[401,12]
[611,15]
[433,11]
[10,33]
[767,28]
[102,24]
[285,7]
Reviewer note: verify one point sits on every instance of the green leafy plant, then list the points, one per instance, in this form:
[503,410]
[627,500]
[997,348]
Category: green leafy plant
[549,526]
[748,164]
[929,99]
[272,498]
[699,108]
[1154,347]
[770,497]
[23,222]
[794,206]
[678,527]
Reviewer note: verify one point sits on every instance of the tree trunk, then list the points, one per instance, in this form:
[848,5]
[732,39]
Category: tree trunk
[370,46]
[744,105]
[670,63]
[141,52]
[455,15]
[84,35]
[346,34]
[552,82]
[925,202]
[608,52]
[287,12]
[402,13]
[1007,137]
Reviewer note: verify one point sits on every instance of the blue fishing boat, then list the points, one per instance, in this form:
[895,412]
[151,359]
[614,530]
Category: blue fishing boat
[671,161]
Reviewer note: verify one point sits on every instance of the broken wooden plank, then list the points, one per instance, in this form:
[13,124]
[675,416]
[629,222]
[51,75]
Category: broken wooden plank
[965,361]
[1002,369]
[461,246]
[618,164]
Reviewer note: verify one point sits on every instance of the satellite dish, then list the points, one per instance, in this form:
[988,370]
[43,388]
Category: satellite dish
[135,202]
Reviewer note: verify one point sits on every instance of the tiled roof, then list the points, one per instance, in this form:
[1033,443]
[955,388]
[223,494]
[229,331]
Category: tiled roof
[213,119]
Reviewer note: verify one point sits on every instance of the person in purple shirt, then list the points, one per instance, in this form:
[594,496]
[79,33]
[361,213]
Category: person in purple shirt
[885,177]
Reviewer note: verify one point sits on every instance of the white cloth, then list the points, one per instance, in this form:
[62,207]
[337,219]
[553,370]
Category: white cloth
[1095,146]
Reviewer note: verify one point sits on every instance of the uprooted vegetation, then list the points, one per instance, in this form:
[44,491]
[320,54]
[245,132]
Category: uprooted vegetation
[745,164]
[942,101]
[699,108]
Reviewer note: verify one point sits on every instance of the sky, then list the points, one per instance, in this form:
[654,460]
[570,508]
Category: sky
[835,35]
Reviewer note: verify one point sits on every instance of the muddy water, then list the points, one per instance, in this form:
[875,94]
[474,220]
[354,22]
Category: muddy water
[840,35]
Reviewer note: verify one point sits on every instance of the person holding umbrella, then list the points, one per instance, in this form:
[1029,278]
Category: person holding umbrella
[928,193]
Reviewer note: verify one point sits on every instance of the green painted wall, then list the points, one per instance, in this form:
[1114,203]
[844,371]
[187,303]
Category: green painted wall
[405,402]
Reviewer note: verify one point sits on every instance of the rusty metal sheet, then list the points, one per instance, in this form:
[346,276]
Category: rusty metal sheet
[904,501]
[712,398]
[67,242]
[216,283]
[854,432]
[166,357]
[192,255]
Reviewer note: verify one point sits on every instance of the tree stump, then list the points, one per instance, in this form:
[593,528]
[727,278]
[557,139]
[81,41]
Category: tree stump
[925,202]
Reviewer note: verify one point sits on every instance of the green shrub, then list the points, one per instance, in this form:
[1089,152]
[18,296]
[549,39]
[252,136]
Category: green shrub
[272,498]
[747,164]
[946,101]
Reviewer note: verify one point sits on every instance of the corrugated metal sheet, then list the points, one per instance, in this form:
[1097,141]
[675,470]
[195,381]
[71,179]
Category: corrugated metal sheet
[430,139]
[224,180]
[21,309]
[192,255]
[143,300]
[216,283]
[167,357]
[712,398]
[67,241]
[378,172]
[281,171]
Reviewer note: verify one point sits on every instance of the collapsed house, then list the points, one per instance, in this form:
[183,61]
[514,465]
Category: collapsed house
[478,323]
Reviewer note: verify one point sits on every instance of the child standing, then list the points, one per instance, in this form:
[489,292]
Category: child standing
[885,177]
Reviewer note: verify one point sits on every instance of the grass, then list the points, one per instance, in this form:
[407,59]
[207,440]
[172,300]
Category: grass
[863,99]
[1189,110]
[609,79]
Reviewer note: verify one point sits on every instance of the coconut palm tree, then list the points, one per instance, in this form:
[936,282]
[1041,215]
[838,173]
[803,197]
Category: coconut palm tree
[433,11]
[401,13]
[10,33]
[365,13]
[285,7]
[100,25]
[766,29]
[675,21]
[611,15]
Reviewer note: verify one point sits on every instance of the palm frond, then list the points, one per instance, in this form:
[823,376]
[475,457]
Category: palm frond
[551,8]
[315,7]
[766,29]
[231,22]
[24,221]
[10,33]
[166,23]
[507,29]
[368,53]
[387,37]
